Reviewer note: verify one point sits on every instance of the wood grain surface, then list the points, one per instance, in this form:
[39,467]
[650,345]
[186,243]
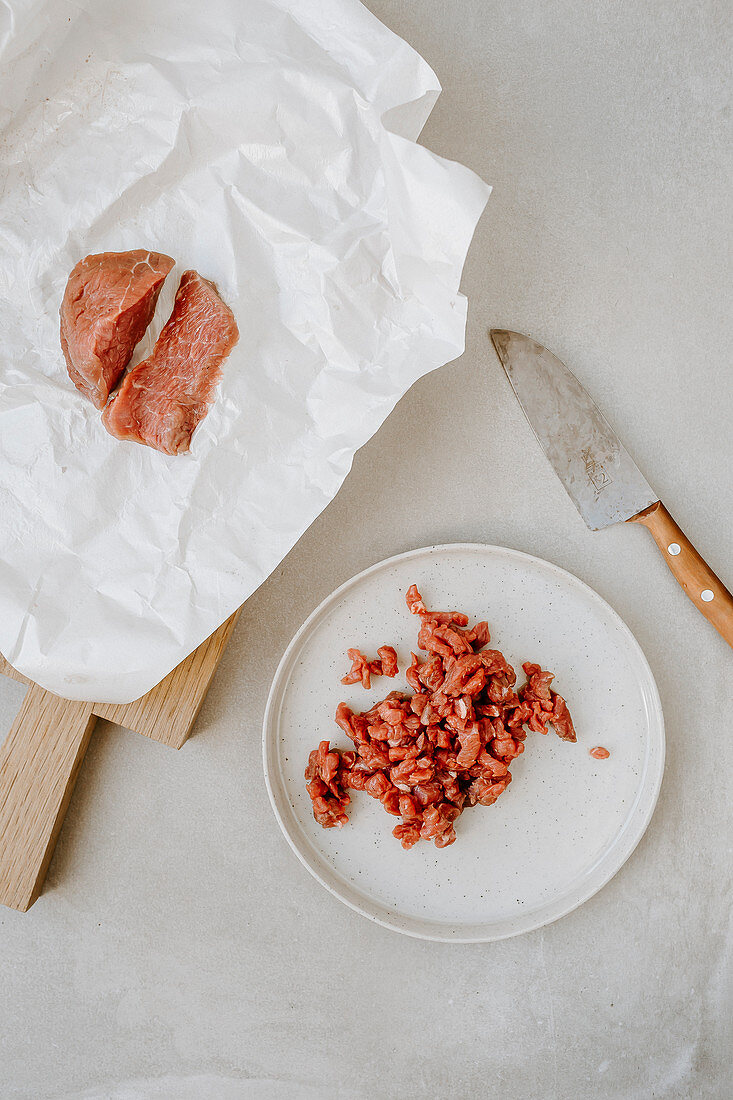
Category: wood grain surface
[690,570]
[39,762]
[41,756]
[169,710]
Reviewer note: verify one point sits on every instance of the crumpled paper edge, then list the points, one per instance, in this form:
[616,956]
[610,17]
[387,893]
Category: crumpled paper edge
[403,119]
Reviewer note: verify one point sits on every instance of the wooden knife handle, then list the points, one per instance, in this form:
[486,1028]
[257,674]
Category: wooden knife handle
[708,594]
[39,761]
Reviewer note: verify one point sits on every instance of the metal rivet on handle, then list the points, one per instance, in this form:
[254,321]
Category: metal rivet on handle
[674,548]
[706,595]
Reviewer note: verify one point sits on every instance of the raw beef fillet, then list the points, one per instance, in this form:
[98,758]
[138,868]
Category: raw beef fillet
[108,303]
[162,400]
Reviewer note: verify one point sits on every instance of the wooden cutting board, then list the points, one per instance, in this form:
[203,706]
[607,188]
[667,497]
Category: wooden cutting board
[42,754]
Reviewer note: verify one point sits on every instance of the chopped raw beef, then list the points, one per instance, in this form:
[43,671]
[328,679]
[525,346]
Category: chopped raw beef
[325,775]
[108,304]
[162,400]
[362,669]
[545,705]
[427,756]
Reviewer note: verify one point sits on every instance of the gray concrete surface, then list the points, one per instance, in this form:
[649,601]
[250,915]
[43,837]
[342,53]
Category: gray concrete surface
[180,951]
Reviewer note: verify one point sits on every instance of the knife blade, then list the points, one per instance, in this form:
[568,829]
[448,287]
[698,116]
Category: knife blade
[598,473]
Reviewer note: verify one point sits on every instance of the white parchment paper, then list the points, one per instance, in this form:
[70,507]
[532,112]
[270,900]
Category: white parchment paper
[270,144]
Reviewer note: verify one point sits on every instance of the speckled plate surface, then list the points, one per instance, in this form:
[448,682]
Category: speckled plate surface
[565,825]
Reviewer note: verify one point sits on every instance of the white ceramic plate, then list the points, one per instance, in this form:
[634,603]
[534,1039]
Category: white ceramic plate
[565,825]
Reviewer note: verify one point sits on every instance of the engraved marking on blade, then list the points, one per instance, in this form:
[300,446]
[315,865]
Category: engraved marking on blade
[597,476]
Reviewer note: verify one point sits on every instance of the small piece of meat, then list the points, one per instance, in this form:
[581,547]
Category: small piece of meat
[546,706]
[599,753]
[560,718]
[161,401]
[326,785]
[360,671]
[387,662]
[363,669]
[108,303]
[470,747]
[414,601]
[537,688]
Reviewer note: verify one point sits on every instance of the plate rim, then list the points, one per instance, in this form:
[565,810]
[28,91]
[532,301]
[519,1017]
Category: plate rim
[652,795]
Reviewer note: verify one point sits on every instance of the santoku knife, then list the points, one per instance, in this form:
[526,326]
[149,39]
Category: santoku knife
[599,475]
